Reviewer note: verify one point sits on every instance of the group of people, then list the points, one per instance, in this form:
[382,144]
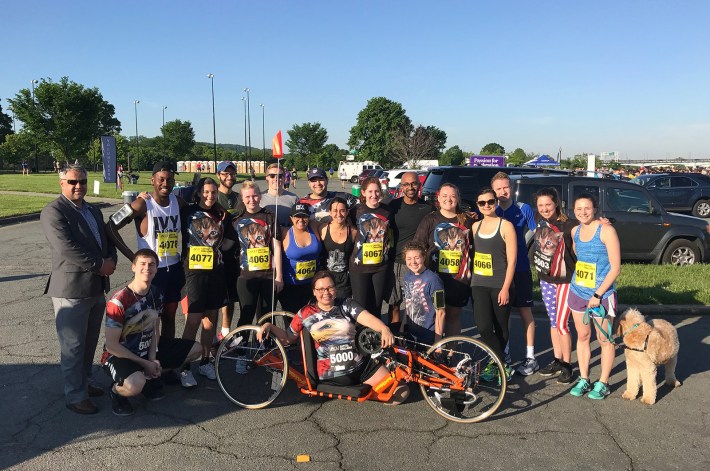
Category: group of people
[327,255]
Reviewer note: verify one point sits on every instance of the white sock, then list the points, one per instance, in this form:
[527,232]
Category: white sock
[225,331]
[530,351]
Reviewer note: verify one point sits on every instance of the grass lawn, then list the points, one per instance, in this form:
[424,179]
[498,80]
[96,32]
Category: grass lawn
[17,205]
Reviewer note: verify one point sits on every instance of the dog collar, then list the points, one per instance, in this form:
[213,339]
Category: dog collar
[645,343]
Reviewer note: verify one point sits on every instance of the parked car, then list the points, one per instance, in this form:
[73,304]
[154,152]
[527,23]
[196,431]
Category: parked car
[686,192]
[647,232]
[368,173]
[469,180]
[395,175]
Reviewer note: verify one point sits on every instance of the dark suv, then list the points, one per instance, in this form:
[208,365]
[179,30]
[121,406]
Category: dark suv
[687,192]
[469,180]
[647,232]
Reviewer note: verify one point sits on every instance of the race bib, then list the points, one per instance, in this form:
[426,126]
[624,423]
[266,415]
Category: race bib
[372,253]
[449,261]
[259,258]
[201,258]
[167,244]
[305,270]
[542,262]
[585,274]
[341,357]
[482,264]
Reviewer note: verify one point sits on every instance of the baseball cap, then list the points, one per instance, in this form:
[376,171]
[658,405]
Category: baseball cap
[317,172]
[301,209]
[164,166]
[224,165]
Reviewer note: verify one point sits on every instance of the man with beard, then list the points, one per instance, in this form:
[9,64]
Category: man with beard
[407,213]
[319,198]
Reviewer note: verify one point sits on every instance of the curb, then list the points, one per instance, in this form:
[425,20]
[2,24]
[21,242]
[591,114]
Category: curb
[8,221]
[647,309]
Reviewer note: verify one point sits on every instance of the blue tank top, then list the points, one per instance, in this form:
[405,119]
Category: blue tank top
[593,253]
[301,263]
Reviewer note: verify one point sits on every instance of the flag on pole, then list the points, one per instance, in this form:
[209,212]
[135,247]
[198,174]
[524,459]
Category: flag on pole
[276,146]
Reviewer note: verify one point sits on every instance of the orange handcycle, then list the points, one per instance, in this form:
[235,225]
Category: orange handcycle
[460,377]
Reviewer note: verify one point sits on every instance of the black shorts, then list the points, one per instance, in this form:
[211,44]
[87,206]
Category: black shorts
[456,294]
[171,354]
[203,291]
[396,284]
[231,273]
[170,280]
[366,370]
[522,295]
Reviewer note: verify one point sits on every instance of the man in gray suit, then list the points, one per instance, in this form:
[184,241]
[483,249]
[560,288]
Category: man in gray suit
[82,260]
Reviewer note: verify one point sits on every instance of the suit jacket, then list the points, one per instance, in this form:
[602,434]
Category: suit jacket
[76,257]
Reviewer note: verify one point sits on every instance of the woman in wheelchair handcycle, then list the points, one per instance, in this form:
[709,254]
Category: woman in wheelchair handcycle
[338,362]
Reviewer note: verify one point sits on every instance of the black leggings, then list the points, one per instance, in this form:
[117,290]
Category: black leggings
[369,290]
[253,294]
[491,319]
[294,297]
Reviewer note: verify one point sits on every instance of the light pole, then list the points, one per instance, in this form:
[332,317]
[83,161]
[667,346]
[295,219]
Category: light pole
[214,128]
[135,107]
[246,156]
[249,121]
[33,82]
[162,130]
[263,136]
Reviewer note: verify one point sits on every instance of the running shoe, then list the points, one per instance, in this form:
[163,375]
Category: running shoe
[552,369]
[528,367]
[187,379]
[600,391]
[120,405]
[581,388]
[566,373]
[490,372]
[153,389]
[509,372]
[208,370]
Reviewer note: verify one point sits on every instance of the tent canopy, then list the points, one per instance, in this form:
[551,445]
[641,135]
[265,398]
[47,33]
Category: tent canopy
[543,161]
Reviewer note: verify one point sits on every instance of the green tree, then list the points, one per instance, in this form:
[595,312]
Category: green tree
[374,131]
[453,156]
[16,148]
[179,139]
[439,138]
[331,155]
[5,125]
[518,157]
[493,149]
[65,115]
[307,140]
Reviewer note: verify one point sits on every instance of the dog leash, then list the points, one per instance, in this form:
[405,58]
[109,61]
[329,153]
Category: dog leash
[600,311]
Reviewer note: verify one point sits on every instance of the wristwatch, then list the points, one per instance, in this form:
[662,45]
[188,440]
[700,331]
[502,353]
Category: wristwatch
[597,296]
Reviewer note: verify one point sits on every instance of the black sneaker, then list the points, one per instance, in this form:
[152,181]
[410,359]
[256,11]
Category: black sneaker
[566,371]
[153,389]
[170,377]
[551,369]
[120,405]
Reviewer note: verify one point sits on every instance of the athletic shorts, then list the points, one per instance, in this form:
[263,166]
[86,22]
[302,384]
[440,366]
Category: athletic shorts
[203,291]
[456,294]
[366,370]
[171,354]
[523,295]
[170,280]
[231,273]
[577,304]
[396,284]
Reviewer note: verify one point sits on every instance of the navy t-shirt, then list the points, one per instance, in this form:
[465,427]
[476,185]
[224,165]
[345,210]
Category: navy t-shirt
[419,303]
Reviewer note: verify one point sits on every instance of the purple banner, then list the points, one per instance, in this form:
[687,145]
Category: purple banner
[108,152]
[487,161]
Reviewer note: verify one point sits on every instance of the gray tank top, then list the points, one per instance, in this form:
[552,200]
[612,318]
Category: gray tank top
[489,259]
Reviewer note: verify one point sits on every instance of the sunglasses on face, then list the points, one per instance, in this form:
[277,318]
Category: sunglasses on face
[275,175]
[490,202]
[74,182]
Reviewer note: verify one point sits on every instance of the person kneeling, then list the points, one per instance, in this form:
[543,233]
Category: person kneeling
[331,323]
[134,354]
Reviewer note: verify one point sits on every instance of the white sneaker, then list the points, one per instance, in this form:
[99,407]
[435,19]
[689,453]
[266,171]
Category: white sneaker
[528,367]
[187,379]
[208,370]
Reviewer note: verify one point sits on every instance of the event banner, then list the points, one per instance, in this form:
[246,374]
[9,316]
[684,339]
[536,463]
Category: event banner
[108,151]
[487,161]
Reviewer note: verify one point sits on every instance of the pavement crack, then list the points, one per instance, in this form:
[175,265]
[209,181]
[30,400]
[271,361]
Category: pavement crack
[610,434]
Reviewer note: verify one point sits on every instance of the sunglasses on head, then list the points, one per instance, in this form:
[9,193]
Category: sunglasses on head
[275,175]
[74,182]
[489,202]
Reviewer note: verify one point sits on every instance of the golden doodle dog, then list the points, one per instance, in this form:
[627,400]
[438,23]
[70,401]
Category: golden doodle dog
[647,345]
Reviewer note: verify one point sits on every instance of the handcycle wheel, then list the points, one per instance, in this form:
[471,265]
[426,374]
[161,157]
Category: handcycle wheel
[483,374]
[280,319]
[250,373]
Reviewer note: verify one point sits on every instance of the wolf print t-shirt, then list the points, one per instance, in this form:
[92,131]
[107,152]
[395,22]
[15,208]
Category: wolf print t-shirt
[255,233]
[372,242]
[333,333]
[448,245]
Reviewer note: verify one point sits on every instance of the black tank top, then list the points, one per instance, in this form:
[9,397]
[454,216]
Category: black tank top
[489,259]
[337,255]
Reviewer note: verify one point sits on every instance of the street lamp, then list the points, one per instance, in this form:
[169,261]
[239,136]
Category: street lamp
[135,107]
[33,82]
[164,108]
[214,128]
[162,130]
[263,136]
[249,121]
[246,156]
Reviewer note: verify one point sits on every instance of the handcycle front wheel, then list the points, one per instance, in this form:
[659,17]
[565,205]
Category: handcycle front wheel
[482,373]
[250,373]
[280,319]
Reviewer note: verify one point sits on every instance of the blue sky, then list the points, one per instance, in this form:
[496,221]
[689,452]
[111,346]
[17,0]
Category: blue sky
[625,76]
